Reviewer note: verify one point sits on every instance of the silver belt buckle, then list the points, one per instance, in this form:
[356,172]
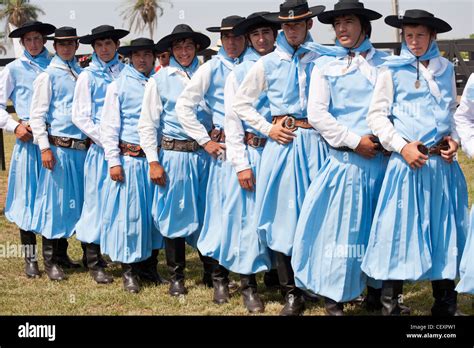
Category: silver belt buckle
[290,122]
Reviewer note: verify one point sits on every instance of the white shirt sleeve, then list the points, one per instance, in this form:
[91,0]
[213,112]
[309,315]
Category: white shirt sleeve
[110,125]
[464,118]
[40,101]
[236,151]
[187,103]
[149,122]
[453,108]
[379,111]
[336,134]
[248,93]
[82,109]
[6,88]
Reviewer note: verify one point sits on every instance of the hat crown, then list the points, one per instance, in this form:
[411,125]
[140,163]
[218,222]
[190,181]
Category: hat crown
[65,32]
[30,23]
[348,4]
[294,8]
[141,41]
[418,14]
[231,21]
[182,28]
[102,29]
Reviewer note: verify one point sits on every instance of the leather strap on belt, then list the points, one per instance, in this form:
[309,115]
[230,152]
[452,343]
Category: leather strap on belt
[26,124]
[292,123]
[251,139]
[434,150]
[69,143]
[217,135]
[132,150]
[179,145]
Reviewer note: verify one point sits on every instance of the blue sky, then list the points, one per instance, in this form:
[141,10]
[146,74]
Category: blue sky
[86,14]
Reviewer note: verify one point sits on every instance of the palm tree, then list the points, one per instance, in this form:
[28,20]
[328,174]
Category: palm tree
[142,14]
[17,12]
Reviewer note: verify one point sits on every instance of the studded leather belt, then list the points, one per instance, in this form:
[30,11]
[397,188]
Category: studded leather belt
[253,140]
[291,122]
[132,150]
[69,143]
[179,145]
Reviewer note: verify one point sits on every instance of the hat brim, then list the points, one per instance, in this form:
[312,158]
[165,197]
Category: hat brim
[63,38]
[312,12]
[220,29]
[116,34]
[243,28]
[437,24]
[200,39]
[126,50]
[43,28]
[328,16]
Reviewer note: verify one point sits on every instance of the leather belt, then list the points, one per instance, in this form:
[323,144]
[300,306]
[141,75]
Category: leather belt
[26,124]
[378,147]
[69,143]
[132,150]
[434,150]
[251,139]
[217,135]
[179,145]
[291,122]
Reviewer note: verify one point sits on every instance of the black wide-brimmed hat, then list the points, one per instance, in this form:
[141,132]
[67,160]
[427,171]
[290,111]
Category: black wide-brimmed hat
[180,32]
[138,45]
[255,20]
[64,33]
[295,11]
[418,17]
[43,28]
[103,32]
[227,24]
[348,7]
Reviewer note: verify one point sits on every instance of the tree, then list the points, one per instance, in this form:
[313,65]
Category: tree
[143,14]
[17,12]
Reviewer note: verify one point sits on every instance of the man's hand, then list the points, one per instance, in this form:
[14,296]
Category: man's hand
[448,155]
[214,149]
[246,179]
[157,174]
[47,158]
[281,134]
[22,133]
[116,174]
[413,156]
[366,148]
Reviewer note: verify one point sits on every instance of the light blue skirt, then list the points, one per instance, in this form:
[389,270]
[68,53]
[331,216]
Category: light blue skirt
[239,249]
[286,171]
[334,225]
[60,194]
[178,207]
[466,268]
[25,167]
[89,225]
[128,234]
[217,188]
[420,222]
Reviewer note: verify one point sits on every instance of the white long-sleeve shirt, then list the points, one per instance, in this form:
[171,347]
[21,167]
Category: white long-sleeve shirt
[110,126]
[42,92]
[6,88]
[149,122]
[186,104]
[253,85]
[236,151]
[464,118]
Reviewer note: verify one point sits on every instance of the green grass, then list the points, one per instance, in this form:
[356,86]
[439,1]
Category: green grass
[80,295]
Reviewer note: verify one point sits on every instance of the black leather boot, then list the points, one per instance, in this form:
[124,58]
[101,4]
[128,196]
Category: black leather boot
[102,262]
[294,300]
[445,299]
[63,259]
[95,269]
[333,308]
[147,269]
[176,262]
[131,281]
[52,269]
[220,282]
[28,241]
[208,265]
[372,300]
[270,279]
[248,288]
[391,296]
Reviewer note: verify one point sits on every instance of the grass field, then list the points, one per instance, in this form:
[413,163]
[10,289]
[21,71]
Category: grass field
[80,295]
